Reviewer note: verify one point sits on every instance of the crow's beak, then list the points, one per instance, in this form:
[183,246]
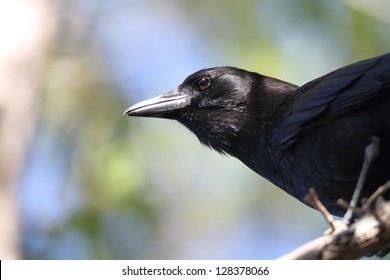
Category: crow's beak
[159,106]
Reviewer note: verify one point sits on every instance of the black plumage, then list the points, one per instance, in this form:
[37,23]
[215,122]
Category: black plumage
[296,137]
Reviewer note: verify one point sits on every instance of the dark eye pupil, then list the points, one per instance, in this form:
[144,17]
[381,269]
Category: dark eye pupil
[203,83]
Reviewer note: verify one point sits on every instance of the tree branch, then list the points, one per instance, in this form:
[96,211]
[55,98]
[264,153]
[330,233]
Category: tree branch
[369,234]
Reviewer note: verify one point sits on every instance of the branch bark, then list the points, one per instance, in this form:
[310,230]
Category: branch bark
[369,234]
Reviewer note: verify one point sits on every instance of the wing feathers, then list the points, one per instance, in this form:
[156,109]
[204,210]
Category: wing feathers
[329,97]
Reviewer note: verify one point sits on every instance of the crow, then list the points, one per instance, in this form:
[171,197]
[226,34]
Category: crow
[313,136]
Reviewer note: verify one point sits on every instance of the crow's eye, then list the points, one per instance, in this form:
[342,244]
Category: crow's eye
[203,83]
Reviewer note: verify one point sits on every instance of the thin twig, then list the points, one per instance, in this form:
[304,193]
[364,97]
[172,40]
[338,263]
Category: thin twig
[369,234]
[370,154]
[313,199]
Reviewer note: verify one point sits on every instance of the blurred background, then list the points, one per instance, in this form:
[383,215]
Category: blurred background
[80,181]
